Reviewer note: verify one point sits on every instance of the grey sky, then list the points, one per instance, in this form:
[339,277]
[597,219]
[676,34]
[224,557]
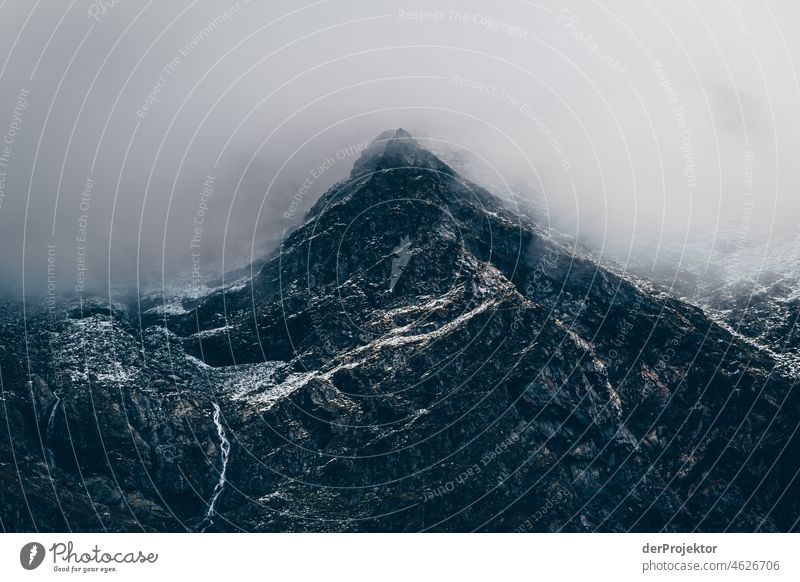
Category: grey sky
[638,123]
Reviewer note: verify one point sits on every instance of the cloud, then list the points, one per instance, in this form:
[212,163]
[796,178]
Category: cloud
[637,129]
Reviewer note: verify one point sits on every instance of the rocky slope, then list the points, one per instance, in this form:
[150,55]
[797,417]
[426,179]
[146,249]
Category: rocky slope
[413,357]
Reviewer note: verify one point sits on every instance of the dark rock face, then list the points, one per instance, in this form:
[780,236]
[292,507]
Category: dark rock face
[414,357]
[92,443]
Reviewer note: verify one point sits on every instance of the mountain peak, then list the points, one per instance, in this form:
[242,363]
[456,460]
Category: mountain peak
[395,167]
[396,148]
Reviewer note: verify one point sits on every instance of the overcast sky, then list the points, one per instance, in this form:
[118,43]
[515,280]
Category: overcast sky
[645,127]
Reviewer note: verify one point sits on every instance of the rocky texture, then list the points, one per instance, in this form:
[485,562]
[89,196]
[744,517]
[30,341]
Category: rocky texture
[104,438]
[489,379]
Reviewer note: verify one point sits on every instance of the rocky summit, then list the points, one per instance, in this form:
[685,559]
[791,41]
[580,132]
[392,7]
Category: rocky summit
[416,356]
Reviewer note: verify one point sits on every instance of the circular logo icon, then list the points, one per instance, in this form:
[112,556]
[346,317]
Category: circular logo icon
[31,555]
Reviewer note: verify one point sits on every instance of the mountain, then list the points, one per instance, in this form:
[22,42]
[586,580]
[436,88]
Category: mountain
[750,287]
[413,357]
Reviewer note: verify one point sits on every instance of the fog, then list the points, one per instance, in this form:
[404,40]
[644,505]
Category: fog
[150,143]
